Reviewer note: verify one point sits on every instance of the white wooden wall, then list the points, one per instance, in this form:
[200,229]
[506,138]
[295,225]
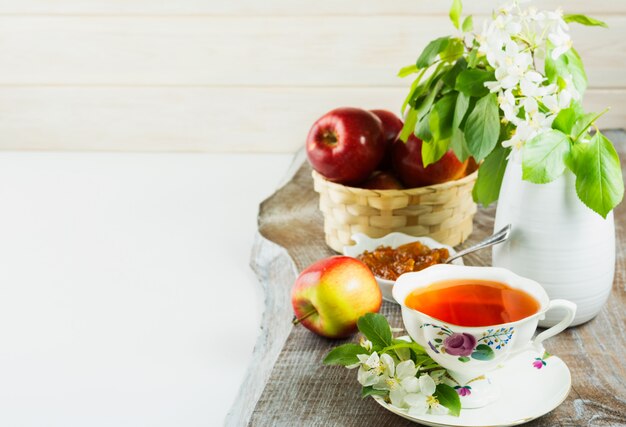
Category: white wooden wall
[232,75]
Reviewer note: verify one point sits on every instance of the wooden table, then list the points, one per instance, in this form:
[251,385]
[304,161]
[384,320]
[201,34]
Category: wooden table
[287,384]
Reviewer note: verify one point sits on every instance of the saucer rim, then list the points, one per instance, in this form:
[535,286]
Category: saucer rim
[517,422]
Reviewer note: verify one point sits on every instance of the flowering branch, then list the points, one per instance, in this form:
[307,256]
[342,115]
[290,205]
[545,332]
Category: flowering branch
[513,90]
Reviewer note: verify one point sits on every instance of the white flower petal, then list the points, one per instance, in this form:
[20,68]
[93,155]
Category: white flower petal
[410,384]
[427,385]
[373,361]
[418,404]
[438,410]
[406,369]
[388,364]
[367,377]
[396,395]
[363,357]
[384,383]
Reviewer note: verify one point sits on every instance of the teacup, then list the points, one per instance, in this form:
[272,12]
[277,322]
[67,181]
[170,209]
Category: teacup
[468,353]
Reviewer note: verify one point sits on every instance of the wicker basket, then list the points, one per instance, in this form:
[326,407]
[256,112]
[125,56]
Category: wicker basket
[443,212]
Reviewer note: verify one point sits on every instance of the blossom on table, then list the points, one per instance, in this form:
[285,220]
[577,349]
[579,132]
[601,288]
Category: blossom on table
[424,401]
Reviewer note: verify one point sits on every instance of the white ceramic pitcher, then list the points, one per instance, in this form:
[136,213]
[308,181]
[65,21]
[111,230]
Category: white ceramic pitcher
[556,241]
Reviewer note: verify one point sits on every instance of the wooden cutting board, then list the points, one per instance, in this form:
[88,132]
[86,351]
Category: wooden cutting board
[287,385]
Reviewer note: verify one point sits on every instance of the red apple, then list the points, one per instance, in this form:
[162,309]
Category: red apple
[392,125]
[407,163]
[382,181]
[330,295]
[346,145]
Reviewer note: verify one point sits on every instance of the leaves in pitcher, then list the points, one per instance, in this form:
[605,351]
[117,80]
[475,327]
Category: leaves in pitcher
[472,82]
[599,181]
[490,175]
[568,64]
[468,24]
[455,13]
[441,117]
[431,51]
[585,20]
[482,127]
[543,157]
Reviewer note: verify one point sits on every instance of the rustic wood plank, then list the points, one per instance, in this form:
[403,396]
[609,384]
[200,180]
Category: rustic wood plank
[278,7]
[194,118]
[248,51]
[301,390]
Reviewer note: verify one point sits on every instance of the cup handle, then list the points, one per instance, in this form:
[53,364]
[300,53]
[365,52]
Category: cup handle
[570,312]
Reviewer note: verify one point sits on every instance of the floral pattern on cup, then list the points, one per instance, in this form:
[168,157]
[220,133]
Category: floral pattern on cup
[466,346]
[464,390]
[540,362]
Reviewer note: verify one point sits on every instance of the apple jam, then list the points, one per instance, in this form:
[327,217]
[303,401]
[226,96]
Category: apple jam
[389,263]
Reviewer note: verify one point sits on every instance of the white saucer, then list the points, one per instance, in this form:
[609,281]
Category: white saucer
[526,393]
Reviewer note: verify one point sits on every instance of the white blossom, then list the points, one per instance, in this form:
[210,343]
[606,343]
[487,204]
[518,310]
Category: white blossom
[423,401]
[512,41]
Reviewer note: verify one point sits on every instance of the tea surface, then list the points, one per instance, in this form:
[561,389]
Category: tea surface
[470,302]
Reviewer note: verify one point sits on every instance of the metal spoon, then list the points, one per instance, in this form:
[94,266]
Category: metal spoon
[494,239]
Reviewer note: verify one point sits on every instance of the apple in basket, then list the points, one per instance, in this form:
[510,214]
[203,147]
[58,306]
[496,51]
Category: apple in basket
[392,126]
[330,295]
[346,144]
[408,165]
[382,181]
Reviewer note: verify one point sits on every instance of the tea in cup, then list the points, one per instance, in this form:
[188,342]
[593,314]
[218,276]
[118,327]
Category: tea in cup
[471,319]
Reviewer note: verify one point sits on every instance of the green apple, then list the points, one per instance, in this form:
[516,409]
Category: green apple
[330,295]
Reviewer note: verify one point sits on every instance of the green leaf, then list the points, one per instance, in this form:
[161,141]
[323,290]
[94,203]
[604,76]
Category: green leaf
[490,175]
[567,64]
[376,329]
[414,91]
[422,129]
[464,359]
[482,127]
[455,13]
[434,150]
[565,120]
[408,70]
[441,116]
[431,51]
[468,24]
[460,109]
[457,141]
[473,58]
[543,157]
[472,82]
[599,181]
[449,78]
[453,51]
[398,344]
[584,123]
[424,107]
[459,145]
[483,352]
[409,125]
[370,391]
[344,355]
[585,20]
[449,398]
